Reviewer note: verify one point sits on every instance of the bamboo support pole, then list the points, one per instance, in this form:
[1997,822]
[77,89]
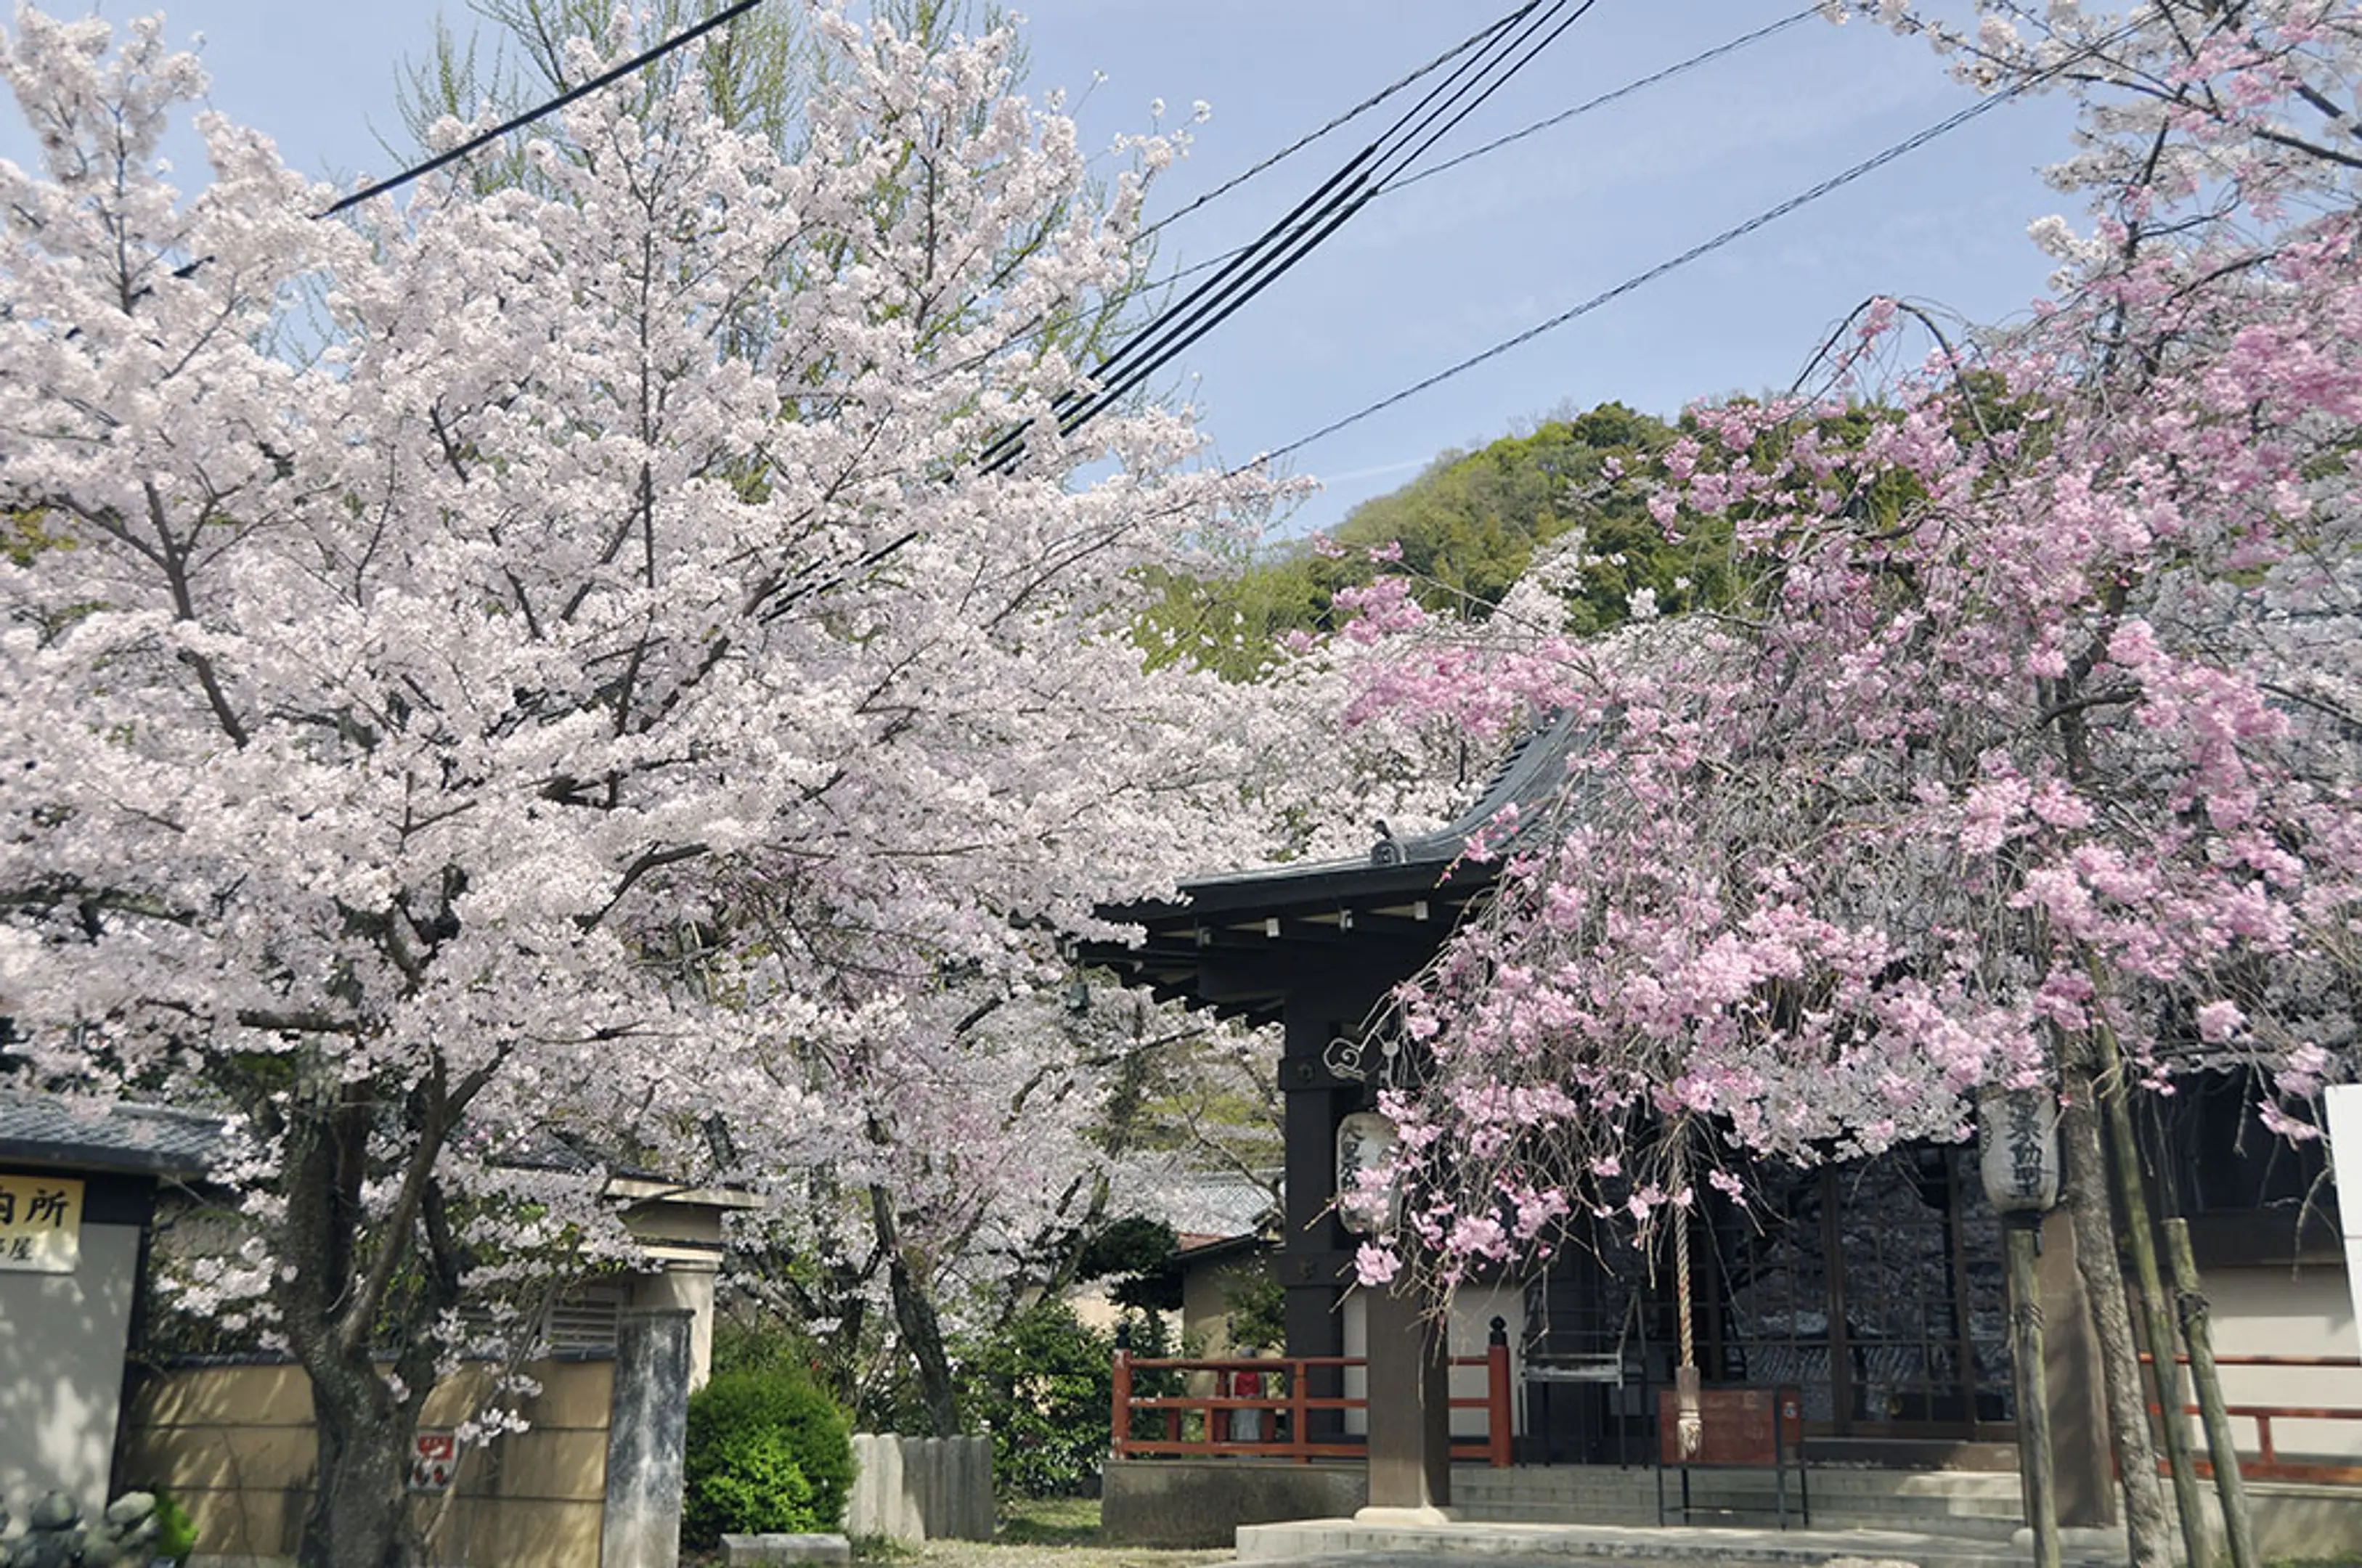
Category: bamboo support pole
[2229,1487]
[2032,1392]
[2140,1238]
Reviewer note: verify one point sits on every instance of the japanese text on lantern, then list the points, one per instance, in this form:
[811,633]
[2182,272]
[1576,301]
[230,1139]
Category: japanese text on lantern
[41,1224]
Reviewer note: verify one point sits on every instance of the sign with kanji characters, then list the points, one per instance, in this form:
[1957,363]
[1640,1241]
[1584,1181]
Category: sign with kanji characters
[1365,1142]
[433,1457]
[2018,1130]
[41,1224]
[1737,1426]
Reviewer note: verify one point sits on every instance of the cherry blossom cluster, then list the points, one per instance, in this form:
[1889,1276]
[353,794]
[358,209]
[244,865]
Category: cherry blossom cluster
[534,679]
[2036,716]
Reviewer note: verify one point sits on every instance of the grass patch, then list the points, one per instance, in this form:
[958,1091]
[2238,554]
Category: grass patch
[1050,1521]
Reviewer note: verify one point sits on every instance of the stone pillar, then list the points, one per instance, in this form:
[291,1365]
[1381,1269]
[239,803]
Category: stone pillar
[2085,1464]
[686,1283]
[1410,1413]
[647,1430]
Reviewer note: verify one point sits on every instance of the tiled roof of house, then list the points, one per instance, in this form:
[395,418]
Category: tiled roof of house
[1207,1205]
[120,1135]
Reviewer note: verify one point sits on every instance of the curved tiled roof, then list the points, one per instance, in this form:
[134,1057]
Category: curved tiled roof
[1404,896]
[121,1135]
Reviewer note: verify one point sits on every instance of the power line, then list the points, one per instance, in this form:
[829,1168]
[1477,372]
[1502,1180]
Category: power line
[638,62]
[1729,45]
[1300,143]
[1312,221]
[1669,71]
[1703,247]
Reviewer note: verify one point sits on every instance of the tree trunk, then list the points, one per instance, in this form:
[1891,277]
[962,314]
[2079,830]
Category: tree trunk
[340,1308]
[358,1517]
[2147,1527]
[915,1318]
[2132,1207]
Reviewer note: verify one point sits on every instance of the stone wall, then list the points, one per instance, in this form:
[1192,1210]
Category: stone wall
[916,1489]
[1192,1502]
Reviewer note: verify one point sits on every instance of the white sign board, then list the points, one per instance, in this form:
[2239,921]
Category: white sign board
[2345,1158]
[1364,1142]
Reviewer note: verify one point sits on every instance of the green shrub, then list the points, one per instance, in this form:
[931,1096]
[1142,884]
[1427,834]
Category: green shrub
[176,1533]
[768,1452]
[1045,1386]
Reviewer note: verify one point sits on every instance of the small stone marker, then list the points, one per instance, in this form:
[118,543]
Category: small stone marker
[761,1549]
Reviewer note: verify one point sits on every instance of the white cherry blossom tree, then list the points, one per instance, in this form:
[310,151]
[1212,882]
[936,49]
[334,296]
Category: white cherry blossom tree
[529,664]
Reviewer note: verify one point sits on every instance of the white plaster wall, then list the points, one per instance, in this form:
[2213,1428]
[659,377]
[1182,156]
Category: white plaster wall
[1474,1308]
[2304,1310]
[1472,1311]
[61,1346]
[684,1286]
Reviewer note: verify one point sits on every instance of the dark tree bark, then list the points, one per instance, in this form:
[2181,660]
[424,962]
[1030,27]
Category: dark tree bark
[348,1305]
[2149,1526]
[915,1318]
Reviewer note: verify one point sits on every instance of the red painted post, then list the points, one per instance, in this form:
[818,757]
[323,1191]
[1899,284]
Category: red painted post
[1498,1416]
[1122,1412]
[1297,1413]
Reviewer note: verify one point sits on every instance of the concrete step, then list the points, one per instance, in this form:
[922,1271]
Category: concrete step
[1835,1482]
[1327,1540]
[1977,1504]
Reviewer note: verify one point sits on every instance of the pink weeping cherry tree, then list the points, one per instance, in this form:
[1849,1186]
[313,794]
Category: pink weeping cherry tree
[2027,747]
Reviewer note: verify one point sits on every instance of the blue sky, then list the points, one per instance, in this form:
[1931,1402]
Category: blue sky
[1426,278]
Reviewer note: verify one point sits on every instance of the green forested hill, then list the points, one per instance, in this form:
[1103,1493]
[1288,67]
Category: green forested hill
[1468,527]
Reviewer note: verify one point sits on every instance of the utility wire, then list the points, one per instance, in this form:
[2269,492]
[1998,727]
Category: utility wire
[1300,143]
[1340,208]
[1281,245]
[1703,247]
[638,62]
[1312,221]
[1669,71]
[1729,46]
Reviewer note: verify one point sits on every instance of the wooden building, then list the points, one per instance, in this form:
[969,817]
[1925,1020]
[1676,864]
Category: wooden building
[1876,1288]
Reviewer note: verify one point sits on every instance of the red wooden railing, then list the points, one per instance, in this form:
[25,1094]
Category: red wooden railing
[2267,1464]
[1202,1426]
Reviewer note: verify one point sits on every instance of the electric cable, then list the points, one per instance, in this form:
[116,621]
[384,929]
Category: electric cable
[638,63]
[1729,45]
[1337,192]
[1703,247]
[1165,340]
[1300,143]
[1255,265]
[1310,223]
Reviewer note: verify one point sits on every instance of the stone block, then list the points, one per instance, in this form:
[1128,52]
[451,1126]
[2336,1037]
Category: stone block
[765,1549]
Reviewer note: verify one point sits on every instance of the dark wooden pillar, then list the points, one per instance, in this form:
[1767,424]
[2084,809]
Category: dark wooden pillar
[1316,1255]
[2085,1479]
[1410,1411]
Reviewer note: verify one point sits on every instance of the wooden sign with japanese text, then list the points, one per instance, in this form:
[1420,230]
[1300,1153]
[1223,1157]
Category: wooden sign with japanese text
[41,1224]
